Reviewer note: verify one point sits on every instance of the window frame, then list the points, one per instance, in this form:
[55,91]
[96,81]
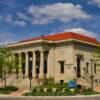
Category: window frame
[95,69]
[87,67]
[62,69]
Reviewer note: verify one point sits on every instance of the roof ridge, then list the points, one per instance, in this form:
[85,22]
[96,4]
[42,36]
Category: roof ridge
[74,33]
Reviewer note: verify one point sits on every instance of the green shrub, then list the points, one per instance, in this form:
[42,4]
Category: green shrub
[11,88]
[49,90]
[79,86]
[87,91]
[62,85]
[77,90]
[67,90]
[41,90]
[52,85]
[1,89]
[34,90]
[8,89]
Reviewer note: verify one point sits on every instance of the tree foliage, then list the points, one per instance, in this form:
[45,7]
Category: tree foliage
[96,55]
[6,62]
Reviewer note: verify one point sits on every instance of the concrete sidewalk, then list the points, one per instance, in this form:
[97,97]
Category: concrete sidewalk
[96,97]
[19,92]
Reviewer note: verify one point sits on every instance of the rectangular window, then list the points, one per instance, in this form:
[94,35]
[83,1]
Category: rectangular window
[95,68]
[62,66]
[87,65]
[61,81]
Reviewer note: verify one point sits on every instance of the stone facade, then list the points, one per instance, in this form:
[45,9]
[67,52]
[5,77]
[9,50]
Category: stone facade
[62,60]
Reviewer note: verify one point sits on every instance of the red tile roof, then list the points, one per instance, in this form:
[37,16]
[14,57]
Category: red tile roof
[32,39]
[65,35]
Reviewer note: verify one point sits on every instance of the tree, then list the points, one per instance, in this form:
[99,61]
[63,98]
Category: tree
[96,61]
[6,62]
[96,56]
[97,52]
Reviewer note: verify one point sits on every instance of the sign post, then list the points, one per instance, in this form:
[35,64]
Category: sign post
[72,85]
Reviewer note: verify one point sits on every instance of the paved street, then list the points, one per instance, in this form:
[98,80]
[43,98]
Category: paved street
[52,98]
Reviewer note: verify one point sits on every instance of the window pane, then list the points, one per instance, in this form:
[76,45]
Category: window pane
[87,65]
[95,68]
[62,67]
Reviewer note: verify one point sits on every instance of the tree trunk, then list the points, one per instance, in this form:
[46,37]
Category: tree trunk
[5,81]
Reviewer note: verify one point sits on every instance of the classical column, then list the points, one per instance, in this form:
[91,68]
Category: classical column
[48,64]
[34,65]
[13,59]
[50,69]
[20,62]
[26,63]
[41,75]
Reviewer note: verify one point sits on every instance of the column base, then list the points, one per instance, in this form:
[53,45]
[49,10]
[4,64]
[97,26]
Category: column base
[41,77]
[36,81]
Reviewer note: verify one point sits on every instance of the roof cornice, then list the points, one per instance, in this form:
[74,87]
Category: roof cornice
[58,38]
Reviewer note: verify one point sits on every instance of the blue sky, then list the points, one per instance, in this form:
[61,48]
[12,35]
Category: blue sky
[22,19]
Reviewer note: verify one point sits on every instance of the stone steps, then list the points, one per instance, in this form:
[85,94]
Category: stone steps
[83,82]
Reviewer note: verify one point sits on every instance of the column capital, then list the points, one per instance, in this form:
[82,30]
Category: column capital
[19,53]
[26,52]
[34,51]
[42,51]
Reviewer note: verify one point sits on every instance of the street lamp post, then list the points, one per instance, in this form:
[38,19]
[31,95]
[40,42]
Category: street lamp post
[92,76]
[30,83]
[30,76]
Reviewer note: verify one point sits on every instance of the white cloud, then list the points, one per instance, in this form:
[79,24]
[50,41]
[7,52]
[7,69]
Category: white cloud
[9,19]
[62,12]
[6,37]
[95,2]
[20,23]
[22,16]
[83,31]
